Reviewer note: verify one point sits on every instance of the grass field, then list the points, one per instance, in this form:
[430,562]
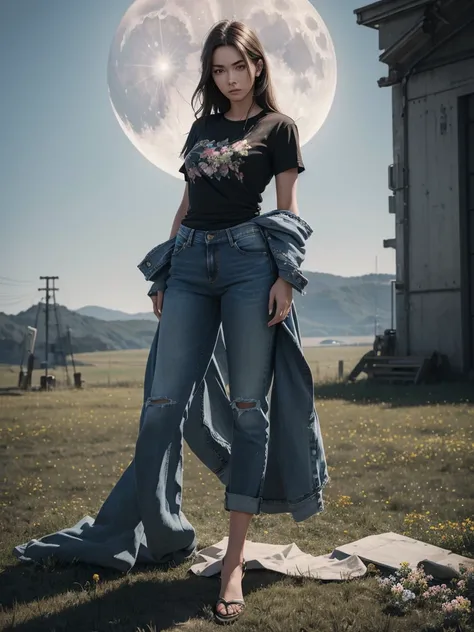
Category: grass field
[126,368]
[401,459]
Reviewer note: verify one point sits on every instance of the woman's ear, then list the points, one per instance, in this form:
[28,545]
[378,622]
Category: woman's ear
[259,68]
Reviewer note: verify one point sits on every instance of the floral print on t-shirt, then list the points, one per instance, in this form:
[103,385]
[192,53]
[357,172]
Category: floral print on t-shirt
[217,160]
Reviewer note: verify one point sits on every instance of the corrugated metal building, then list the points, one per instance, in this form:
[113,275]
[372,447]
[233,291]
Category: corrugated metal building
[428,47]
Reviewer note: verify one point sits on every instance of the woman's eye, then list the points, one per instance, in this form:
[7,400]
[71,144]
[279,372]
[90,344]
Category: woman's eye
[241,67]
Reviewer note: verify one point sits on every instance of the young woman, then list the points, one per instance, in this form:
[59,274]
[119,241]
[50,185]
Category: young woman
[238,142]
[227,270]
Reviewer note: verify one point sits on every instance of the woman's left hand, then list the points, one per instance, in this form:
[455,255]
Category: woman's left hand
[281,297]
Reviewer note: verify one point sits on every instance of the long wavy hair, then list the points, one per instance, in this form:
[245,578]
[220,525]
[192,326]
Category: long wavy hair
[207,98]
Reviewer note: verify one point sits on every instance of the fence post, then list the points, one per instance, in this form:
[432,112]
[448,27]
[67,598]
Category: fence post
[340,370]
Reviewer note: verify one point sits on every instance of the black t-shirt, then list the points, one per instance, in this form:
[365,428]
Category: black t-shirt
[230,163]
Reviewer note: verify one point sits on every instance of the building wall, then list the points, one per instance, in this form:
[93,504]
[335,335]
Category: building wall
[466,139]
[398,160]
[429,315]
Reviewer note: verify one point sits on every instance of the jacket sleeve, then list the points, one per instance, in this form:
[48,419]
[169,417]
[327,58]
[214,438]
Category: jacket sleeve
[156,264]
[286,235]
[288,256]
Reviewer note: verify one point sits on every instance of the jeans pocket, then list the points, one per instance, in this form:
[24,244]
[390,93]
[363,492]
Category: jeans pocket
[252,243]
[179,244]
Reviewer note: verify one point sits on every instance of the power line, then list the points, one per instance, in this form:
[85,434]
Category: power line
[7,301]
[8,280]
[9,298]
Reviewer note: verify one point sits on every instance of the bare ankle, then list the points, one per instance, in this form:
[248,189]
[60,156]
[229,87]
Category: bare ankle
[233,560]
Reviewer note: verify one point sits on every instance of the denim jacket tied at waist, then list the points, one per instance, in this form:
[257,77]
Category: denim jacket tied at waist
[286,234]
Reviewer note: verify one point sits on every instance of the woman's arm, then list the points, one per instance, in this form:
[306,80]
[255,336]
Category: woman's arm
[286,190]
[181,212]
[281,294]
[157,299]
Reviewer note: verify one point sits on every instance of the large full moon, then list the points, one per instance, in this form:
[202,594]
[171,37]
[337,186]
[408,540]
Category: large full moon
[154,67]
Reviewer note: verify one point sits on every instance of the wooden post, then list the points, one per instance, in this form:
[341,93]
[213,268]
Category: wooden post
[340,370]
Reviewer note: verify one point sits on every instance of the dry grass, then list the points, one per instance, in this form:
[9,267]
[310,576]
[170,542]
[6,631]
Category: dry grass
[119,368]
[400,460]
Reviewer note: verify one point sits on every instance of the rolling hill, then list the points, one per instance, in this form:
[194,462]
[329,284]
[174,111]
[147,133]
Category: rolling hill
[333,306]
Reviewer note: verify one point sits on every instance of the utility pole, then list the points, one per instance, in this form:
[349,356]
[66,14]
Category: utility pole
[376,289]
[47,289]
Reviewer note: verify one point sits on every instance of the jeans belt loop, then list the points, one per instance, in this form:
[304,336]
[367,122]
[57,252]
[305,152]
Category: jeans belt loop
[189,241]
[230,236]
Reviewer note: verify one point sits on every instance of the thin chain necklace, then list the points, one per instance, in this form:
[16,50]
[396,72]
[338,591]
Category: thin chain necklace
[248,113]
[247,117]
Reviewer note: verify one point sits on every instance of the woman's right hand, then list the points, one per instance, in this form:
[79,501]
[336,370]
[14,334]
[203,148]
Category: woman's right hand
[157,300]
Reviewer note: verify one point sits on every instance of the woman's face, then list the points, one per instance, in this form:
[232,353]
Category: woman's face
[231,75]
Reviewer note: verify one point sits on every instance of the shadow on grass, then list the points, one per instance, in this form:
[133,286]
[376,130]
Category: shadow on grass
[24,583]
[365,392]
[10,391]
[141,602]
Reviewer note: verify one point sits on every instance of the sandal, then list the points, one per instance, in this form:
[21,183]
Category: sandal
[230,618]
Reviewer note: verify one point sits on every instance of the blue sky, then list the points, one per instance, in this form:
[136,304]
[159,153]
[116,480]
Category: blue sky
[77,200]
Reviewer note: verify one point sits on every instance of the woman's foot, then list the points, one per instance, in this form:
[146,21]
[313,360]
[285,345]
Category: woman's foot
[230,604]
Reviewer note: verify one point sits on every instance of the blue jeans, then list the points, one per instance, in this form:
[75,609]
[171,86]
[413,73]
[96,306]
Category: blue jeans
[222,276]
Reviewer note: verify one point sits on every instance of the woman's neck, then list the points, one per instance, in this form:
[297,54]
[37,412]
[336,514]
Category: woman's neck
[243,109]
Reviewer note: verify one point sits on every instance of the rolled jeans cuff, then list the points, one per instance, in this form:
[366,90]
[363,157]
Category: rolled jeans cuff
[245,504]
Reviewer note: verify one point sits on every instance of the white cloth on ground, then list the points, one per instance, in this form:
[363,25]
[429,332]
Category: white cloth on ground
[348,561]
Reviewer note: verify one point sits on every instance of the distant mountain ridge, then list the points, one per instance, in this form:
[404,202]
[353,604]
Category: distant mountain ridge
[88,334]
[337,298]
[333,306]
[104,313]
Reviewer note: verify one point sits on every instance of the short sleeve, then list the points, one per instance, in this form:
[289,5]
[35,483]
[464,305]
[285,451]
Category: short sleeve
[285,148]
[182,170]
[191,140]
